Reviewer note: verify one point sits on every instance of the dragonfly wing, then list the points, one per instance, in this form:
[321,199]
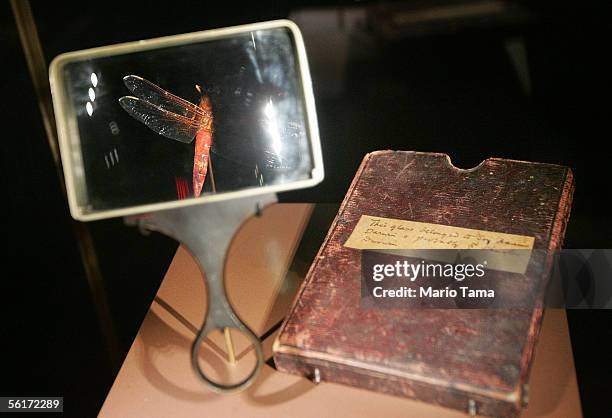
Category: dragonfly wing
[154,94]
[160,120]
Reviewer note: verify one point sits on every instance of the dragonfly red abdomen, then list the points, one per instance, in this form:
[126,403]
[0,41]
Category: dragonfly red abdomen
[203,142]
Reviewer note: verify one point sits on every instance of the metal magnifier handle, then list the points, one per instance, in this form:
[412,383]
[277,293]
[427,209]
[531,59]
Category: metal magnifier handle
[207,231]
[221,316]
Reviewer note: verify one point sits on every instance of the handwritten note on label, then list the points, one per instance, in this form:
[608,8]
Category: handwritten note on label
[418,239]
[374,232]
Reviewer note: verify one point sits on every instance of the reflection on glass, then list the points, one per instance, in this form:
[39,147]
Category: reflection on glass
[257,137]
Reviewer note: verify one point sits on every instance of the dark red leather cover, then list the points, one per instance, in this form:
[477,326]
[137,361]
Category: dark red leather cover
[454,358]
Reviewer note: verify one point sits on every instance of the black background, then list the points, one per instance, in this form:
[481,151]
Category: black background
[453,91]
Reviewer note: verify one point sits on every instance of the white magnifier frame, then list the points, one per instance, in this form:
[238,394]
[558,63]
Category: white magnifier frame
[70,142]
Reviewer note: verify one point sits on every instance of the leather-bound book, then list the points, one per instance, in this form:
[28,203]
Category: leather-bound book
[475,360]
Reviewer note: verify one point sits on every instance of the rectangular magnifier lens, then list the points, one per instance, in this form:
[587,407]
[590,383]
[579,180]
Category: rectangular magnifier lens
[186,119]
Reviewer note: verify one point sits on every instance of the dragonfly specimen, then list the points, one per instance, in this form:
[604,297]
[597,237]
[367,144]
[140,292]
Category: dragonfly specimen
[174,118]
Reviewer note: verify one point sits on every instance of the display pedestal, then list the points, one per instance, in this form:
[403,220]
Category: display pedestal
[156,381]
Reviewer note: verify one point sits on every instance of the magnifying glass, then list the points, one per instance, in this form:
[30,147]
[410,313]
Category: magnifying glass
[189,135]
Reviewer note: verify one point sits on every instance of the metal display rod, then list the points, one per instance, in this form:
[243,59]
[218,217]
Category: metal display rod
[37,66]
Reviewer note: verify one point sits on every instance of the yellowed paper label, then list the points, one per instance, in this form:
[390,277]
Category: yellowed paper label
[374,232]
[402,238]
